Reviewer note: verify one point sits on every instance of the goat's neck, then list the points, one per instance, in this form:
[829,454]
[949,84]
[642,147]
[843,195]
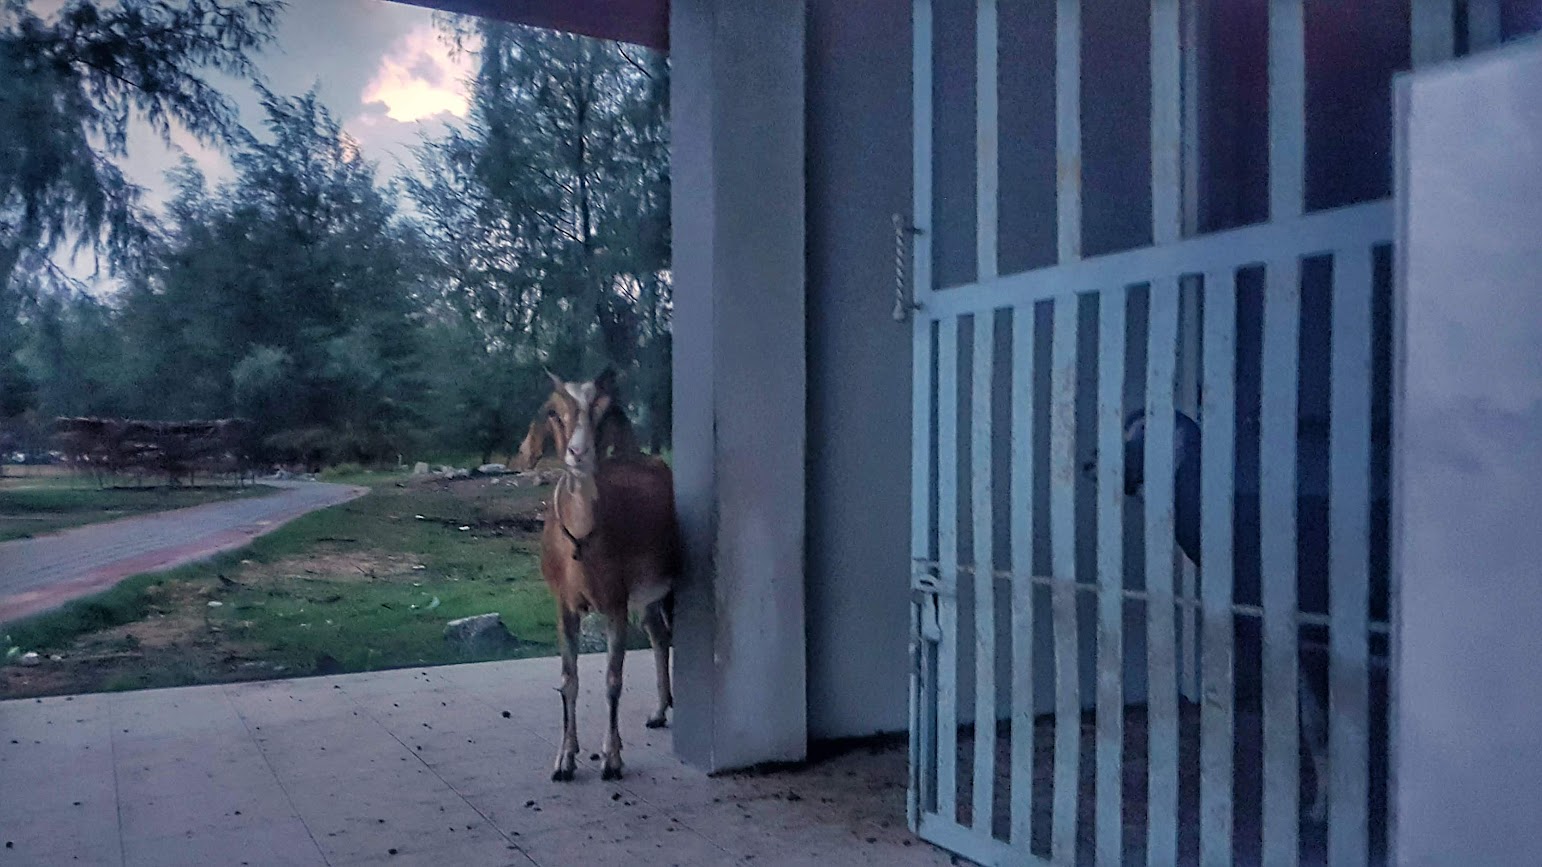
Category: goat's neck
[574,502]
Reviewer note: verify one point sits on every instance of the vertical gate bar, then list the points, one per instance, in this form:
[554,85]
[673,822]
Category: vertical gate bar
[1484,30]
[1287,109]
[1023,637]
[1161,637]
[1277,440]
[1167,218]
[1062,516]
[922,705]
[987,84]
[1277,560]
[1166,122]
[1068,128]
[1349,559]
[980,440]
[947,555]
[1218,486]
[1109,817]
[1432,31]
[921,696]
[921,148]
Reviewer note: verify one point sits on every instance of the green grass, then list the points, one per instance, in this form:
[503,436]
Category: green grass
[38,506]
[336,590]
[127,602]
[391,620]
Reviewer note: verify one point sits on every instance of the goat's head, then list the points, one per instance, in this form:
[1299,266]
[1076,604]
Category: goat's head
[576,417]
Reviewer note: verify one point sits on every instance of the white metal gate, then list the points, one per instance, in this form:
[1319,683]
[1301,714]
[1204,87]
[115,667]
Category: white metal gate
[1114,729]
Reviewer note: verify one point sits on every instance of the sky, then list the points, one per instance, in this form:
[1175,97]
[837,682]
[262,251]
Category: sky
[381,68]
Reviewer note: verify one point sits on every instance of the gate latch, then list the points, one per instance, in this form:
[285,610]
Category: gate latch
[928,586]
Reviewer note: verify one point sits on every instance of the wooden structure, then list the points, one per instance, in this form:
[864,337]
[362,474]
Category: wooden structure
[175,451]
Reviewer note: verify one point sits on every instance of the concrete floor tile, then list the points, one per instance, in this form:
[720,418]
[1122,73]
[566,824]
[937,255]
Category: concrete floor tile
[654,841]
[280,843]
[278,702]
[32,767]
[91,827]
[533,807]
[203,713]
[346,768]
[465,843]
[168,810]
[354,818]
[71,855]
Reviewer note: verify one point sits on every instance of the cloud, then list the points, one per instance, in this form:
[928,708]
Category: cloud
[418,79]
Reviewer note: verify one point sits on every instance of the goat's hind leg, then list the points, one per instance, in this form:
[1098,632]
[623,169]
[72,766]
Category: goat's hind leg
[567,754]
[661,637]
[1314,730]
[616,635]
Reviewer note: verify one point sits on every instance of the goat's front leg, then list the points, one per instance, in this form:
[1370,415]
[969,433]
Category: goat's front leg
[1314,730]
[616,633]
[567,754]
[661,637]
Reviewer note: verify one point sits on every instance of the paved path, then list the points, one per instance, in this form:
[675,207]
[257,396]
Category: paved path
[438,767]
[42,573]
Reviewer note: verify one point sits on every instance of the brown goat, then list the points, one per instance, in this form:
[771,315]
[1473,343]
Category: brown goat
[610,544]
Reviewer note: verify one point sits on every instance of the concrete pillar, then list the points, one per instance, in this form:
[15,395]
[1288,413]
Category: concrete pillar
[737,103]
[1467,690]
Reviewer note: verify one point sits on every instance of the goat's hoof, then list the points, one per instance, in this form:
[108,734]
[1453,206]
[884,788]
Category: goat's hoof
[610,773]
[562,775]
[658,722]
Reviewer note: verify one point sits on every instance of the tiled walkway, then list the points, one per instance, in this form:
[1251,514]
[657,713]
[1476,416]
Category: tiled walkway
[38,574]
[444,766]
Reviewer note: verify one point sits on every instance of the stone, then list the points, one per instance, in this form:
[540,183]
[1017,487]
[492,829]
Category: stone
[480,634]
[31,658]
[591,635]
[492,469]
[420,469]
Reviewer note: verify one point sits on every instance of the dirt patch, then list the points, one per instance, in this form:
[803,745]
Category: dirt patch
[333,565]
[175,644]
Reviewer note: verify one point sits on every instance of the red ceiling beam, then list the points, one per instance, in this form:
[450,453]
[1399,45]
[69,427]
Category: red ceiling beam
[640,22]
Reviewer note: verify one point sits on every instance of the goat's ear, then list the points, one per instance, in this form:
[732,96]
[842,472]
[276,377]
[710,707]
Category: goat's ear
[605,383]
[556,380]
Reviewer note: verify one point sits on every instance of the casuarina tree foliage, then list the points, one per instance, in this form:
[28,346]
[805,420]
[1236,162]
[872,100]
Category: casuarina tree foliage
[351,315]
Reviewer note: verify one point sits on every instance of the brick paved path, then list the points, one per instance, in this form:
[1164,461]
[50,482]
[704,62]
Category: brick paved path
[42,573]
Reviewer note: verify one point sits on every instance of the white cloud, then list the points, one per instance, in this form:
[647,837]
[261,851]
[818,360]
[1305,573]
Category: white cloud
[418,79]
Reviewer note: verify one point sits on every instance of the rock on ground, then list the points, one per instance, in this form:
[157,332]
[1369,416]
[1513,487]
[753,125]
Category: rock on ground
[483,633]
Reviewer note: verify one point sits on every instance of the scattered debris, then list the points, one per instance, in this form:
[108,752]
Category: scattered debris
[215,603]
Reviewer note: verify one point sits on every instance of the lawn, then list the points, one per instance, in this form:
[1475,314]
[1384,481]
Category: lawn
[35,506]
[362,586]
